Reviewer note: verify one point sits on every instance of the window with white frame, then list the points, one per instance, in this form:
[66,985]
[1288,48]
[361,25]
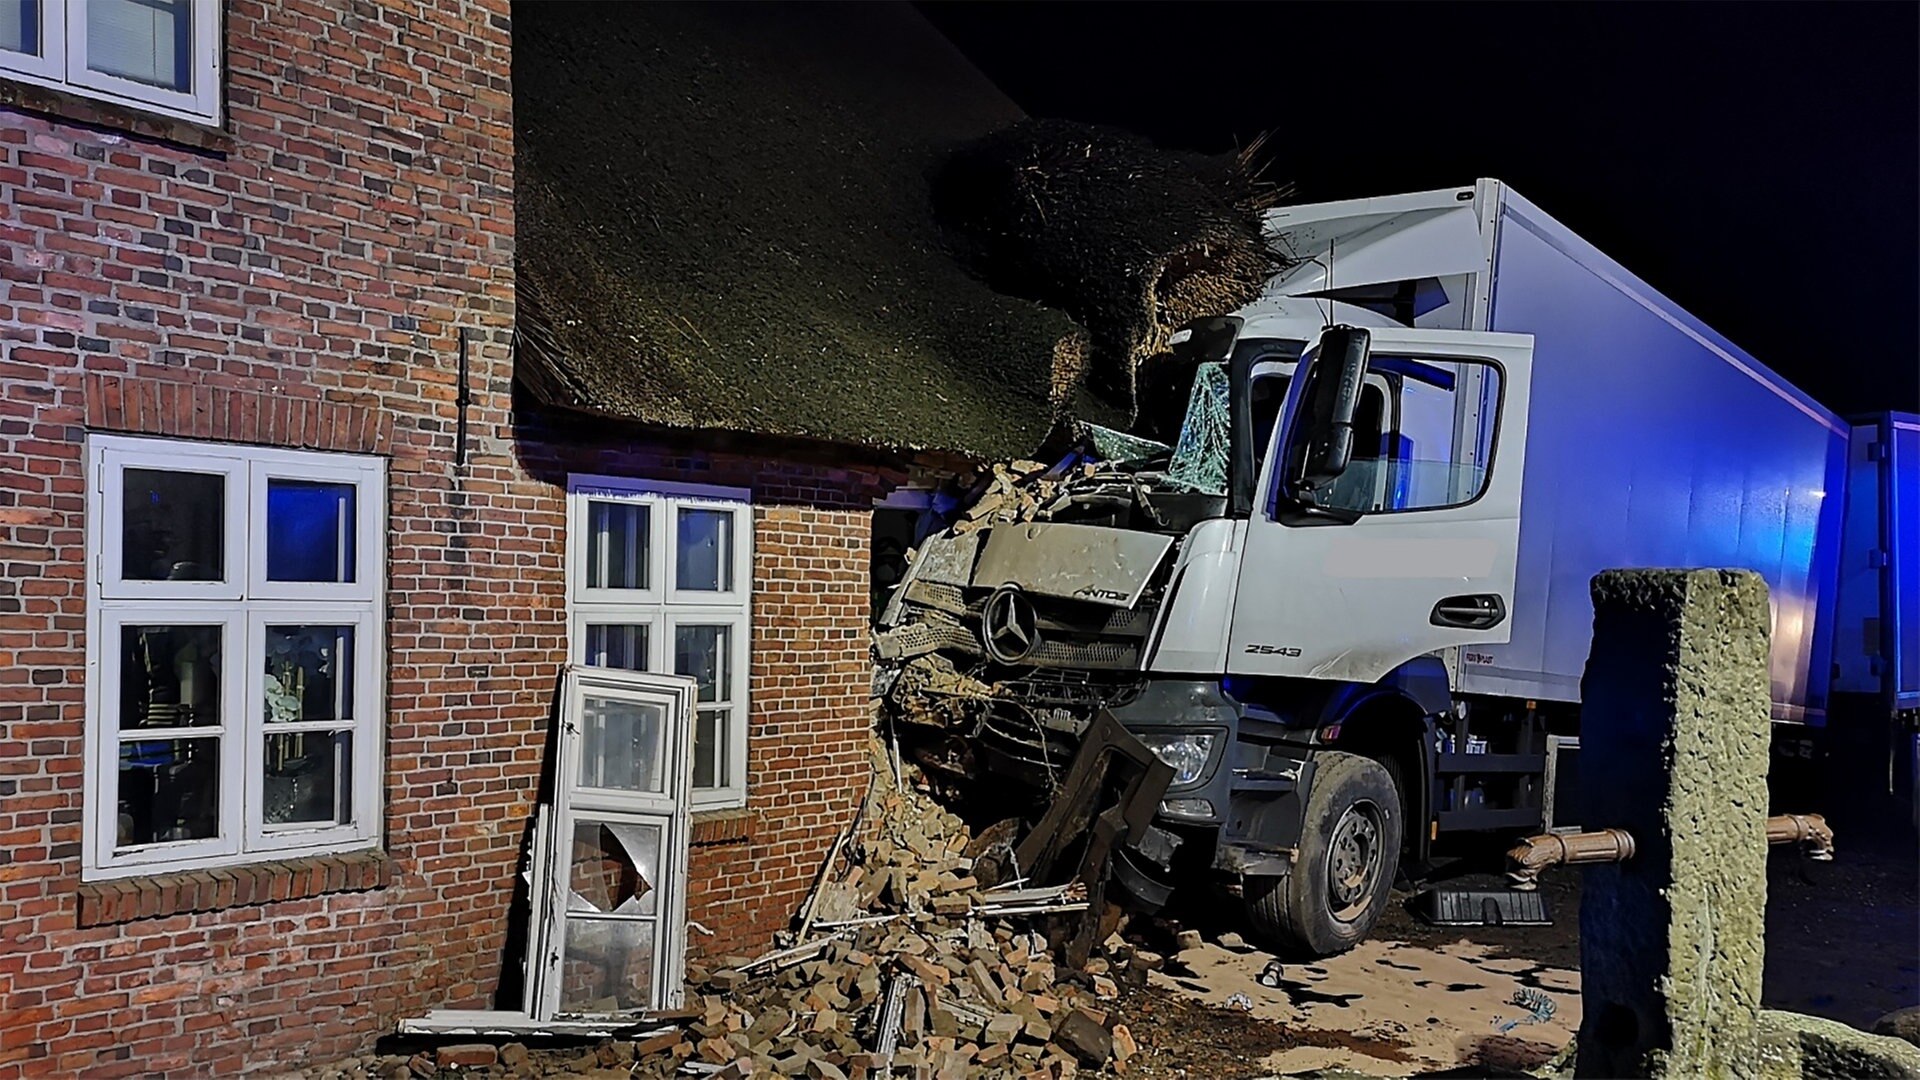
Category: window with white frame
[659,576]
[162,56]
[234,644]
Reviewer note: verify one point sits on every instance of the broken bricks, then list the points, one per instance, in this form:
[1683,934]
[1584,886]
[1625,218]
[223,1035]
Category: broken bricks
[974,987]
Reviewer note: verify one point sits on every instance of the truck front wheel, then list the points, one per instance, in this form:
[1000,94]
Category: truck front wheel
[1349,848]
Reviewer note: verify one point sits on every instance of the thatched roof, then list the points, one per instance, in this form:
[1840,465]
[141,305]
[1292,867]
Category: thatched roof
[1131,240]
[724,221]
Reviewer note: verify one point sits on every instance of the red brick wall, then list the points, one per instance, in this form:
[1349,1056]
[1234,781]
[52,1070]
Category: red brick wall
[810,676]
[303,283]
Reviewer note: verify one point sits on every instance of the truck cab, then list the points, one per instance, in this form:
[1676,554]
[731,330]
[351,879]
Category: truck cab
[1298,578]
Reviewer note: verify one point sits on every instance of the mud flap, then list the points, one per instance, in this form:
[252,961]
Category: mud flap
[1107,802]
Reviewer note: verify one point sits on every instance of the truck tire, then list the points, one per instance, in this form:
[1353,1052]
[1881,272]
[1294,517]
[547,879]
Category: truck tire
[1349,851]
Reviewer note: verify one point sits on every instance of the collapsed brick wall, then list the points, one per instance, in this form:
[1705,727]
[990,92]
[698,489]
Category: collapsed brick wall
[302,281]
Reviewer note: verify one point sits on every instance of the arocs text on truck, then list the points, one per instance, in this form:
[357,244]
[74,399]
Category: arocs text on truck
[1345,594]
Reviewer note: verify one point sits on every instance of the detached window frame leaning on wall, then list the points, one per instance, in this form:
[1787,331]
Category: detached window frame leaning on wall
[235,692]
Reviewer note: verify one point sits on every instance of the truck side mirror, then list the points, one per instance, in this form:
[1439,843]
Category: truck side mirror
[1323,441]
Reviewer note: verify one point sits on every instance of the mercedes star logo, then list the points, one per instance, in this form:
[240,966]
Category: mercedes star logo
[1009,627]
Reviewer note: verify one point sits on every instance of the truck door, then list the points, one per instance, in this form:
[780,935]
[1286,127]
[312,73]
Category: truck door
[1384,530]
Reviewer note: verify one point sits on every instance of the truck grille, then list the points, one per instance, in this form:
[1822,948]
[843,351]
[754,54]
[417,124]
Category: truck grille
[1073,634]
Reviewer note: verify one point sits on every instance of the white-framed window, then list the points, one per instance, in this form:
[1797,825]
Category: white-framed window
[162,56]
[234,654]
[659,577]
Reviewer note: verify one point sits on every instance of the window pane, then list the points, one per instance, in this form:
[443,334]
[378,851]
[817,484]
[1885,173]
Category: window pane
[309,673]
[704,653]
[310,533]
[309,778]
[703,554]
[1432,448]
[620,744]
[173,526]
[615,868]
[168,790]
[710,748]
[617,645]
[606,966]
[169,676]
[617,545]
[147,41]
[20,26]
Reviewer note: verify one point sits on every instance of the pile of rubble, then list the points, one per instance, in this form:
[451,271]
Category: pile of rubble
[909,964]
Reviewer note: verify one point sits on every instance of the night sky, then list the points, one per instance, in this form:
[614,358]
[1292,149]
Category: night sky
[1758,163]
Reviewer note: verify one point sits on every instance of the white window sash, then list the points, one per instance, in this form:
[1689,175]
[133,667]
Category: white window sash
[580,522]
[201,100]
[731,791]
[104,679]
[48,65]
[368,748]
[671,693]
[741,568]
[115,456]
[612,615]
[368,529]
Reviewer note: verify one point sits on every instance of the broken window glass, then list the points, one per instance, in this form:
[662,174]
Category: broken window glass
[1200,456]
[614,868]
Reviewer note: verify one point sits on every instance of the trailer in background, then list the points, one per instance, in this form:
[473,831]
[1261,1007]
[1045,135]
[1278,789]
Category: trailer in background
[1876,644]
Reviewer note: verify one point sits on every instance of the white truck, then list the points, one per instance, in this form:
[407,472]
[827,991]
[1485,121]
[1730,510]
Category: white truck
[1345,592]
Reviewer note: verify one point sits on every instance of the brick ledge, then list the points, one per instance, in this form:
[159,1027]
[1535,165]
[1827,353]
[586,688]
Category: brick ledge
[712,827]
[104,903]
[68,107]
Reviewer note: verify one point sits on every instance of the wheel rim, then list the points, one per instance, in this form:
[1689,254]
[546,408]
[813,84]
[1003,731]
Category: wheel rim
[1353,863]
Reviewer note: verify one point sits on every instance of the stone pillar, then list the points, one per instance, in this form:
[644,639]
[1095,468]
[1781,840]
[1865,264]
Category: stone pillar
[1673,746]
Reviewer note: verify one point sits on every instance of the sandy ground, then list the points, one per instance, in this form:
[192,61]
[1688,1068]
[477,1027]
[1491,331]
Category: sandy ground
[1439,1005]
[1843,942]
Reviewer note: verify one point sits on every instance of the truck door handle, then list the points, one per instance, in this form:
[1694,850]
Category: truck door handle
[1478,611]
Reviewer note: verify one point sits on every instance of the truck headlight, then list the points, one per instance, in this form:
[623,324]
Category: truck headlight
[1186,753]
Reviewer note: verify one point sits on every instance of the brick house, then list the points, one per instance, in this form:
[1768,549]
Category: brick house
[355,377]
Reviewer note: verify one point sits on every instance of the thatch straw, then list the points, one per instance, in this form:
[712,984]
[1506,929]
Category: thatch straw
[1130,240]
